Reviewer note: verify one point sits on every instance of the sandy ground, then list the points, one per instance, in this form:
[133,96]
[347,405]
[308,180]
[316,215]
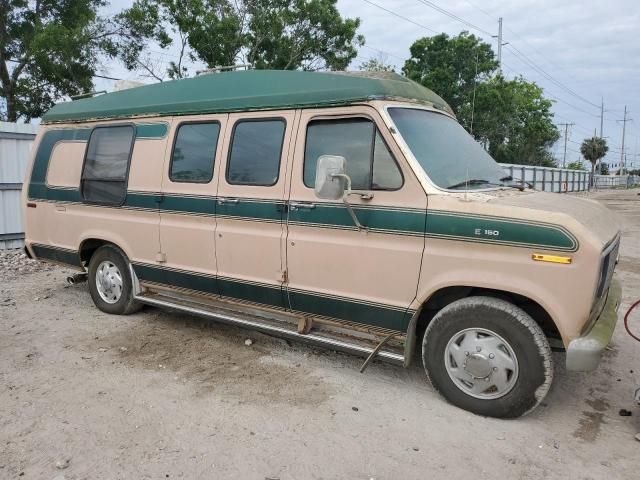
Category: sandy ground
[160,395]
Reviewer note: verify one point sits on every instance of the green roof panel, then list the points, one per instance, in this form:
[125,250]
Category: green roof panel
[244,91]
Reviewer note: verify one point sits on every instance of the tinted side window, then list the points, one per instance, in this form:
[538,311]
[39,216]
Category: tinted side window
[256,148]
[369,162]
[194,152]
[104,176]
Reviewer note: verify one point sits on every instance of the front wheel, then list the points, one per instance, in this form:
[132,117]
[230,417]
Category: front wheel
[110,282]
[488,356]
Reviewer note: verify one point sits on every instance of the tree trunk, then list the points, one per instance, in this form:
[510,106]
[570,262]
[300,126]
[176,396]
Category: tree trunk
[10,98]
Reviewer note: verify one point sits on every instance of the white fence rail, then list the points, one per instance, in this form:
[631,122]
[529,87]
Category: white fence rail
[15,143]
[616,181]
[549,179]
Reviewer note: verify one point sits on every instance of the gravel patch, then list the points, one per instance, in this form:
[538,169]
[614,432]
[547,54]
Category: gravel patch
[14,263]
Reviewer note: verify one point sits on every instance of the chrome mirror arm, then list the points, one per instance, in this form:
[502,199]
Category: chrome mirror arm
[346,193]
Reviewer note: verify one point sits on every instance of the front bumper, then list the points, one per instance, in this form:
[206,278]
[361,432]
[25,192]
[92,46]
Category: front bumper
[583,353]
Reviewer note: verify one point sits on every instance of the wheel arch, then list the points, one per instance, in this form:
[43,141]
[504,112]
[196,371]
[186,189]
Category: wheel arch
[443,296]
[89,245]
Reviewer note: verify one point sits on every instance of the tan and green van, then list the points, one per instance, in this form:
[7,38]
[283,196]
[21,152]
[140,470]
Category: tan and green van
[349,211]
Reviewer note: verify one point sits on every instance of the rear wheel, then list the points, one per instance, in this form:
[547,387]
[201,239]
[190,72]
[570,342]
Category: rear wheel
[110,282]
[488,356]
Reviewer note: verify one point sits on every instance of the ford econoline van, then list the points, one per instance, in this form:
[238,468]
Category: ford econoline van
[346,210]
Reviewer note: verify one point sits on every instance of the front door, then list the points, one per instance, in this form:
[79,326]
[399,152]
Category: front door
[250,208]
[366,276]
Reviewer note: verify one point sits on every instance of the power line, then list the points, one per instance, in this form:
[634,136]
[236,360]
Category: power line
[551,78]
[384,52]
[454,16]
[400,16]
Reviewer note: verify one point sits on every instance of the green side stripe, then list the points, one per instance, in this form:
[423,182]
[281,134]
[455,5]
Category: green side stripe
[336,215]
[163,276]
[252,209]
[270,295]
[500,231]
[61,255]
[275,296]
[354,311]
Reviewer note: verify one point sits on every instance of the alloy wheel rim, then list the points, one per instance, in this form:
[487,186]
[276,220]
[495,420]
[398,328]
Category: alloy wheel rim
[109,282]
[481,363]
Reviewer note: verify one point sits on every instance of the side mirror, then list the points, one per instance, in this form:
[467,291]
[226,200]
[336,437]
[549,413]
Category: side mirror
[329,177]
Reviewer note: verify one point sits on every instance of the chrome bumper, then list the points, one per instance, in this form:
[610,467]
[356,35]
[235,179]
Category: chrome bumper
[583,353]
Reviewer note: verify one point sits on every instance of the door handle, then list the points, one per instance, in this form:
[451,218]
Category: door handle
[60,208]
[301,205]
[224,201]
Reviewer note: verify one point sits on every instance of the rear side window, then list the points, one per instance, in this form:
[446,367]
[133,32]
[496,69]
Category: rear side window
[369,162]
[256,149]
[194,152]
[104,175]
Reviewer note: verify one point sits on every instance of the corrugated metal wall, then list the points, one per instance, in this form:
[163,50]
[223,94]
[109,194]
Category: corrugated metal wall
[15,145]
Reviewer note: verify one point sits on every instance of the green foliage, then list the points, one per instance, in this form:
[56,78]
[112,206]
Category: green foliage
[604,168]
[268,34]
[514,121]
[593,149]
[577,165]
[511,118]
[49,50]
[447,65]
[375,65]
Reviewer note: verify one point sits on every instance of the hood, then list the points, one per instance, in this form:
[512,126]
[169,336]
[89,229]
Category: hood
[601,224]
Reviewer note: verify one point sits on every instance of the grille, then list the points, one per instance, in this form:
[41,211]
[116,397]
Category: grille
[610,256]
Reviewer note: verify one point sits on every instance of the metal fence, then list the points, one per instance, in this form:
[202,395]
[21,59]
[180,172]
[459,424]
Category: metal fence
[616,181]
[549,179]
[15,143]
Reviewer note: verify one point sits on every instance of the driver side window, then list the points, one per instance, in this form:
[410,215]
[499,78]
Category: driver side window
[369,162]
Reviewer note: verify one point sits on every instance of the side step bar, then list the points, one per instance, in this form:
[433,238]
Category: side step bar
[275,330]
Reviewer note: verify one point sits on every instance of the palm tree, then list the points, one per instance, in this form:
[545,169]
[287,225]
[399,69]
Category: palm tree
[593,149]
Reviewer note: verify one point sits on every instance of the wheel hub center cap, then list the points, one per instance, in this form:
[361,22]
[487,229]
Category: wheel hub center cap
[478,365]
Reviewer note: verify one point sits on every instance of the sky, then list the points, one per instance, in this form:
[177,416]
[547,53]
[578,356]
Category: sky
[580,52]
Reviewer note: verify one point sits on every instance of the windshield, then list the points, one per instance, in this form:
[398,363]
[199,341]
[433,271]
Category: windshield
[448,154]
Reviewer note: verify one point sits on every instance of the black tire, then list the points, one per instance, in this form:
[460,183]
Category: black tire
[503,319]
[125,303]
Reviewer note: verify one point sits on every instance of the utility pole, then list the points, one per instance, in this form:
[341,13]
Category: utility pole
[624,129]
[500,43]
[566,133]
[601,114]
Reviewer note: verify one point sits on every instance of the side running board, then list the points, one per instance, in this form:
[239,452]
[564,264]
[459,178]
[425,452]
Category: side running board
[269,325]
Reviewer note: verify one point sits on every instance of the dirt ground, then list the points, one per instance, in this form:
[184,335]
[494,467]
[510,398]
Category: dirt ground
[85,395]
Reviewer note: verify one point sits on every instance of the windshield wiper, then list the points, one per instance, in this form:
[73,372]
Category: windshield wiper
[479,181]
[473,181]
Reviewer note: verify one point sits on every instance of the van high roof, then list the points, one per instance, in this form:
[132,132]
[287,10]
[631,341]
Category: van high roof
[244,91]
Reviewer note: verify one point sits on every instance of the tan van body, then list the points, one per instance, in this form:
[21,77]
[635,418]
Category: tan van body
[278,253]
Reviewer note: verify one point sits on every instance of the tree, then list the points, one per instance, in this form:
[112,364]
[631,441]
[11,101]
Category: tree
[447,65]
[376,65]
[514,121]
[511,118]
[577,165]
[593,149]
[48,49]
[277,34]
